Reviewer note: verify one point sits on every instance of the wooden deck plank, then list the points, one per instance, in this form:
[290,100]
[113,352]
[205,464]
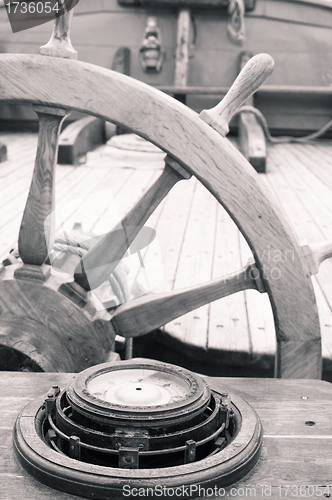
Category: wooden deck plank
[22,150]
[103,200]
[297,196]
[88,203]
[195,265]
[261,330]
[307,166]
[135,186]
[228,327]
[315,199]
[169,223]
[316,196]
[318,161]
[287,200]
[11,214]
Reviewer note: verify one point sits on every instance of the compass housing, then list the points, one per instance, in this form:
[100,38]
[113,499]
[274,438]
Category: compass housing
[139,392]
[159,423]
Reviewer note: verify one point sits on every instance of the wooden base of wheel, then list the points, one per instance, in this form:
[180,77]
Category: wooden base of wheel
[52,325]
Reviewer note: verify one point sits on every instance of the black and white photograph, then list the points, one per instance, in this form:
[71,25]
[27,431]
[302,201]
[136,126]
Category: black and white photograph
[165,249]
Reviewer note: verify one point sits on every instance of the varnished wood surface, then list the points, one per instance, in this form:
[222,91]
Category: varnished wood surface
[213,161]
[152,311]
[293,453]
[36,231]
[195,240]
[50,329]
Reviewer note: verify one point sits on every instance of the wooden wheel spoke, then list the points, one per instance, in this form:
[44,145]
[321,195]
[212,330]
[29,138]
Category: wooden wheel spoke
[36,234]
[37,231]
[99,262]
[149,312]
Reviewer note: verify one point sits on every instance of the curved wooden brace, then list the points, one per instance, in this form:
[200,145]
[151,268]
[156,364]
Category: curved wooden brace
[212,159]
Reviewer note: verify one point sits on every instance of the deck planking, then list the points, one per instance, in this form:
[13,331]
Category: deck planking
[196,240]
[303,193]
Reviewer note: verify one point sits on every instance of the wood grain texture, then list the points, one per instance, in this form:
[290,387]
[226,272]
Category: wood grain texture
[149,312]
[48,327]
[35,238]
[293,453]
[229,331]
[251,77]
[200,149]
[99,262]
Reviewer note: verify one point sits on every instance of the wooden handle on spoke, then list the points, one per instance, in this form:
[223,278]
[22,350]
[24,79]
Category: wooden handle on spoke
[150,312]
[254,73]
[99,262]
[60,44]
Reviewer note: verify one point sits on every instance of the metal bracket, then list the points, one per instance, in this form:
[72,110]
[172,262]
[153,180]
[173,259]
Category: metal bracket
[128,458]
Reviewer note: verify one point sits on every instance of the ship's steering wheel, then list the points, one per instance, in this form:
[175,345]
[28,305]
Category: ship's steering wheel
[54,86]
